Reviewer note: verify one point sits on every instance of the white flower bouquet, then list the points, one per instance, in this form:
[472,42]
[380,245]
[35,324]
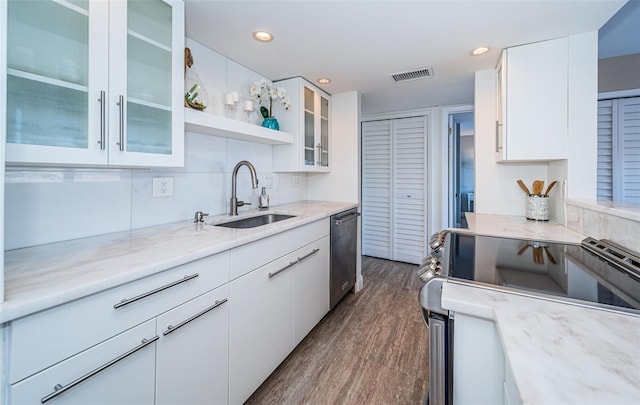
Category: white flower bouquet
[263,91]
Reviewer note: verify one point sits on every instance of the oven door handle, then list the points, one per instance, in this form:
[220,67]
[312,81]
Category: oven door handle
[437,361]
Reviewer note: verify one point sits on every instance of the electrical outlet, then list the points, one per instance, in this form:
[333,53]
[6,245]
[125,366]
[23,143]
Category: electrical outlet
[267,181]
[162,187]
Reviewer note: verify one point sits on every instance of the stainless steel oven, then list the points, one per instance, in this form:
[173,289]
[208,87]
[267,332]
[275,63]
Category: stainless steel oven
[596,274]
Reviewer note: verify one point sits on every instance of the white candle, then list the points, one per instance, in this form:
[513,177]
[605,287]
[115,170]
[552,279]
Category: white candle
[236,96]
[248,105]
[229,99]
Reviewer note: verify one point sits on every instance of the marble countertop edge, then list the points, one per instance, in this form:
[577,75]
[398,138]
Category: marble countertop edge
[559,352]
[510,226]
[30,288]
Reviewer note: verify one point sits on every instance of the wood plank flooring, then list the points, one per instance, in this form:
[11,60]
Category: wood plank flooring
[370,349]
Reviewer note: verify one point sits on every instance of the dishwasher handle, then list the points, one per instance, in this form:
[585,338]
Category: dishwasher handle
[346,218]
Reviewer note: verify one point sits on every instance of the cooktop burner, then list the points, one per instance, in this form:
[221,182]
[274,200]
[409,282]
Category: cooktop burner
[570,272]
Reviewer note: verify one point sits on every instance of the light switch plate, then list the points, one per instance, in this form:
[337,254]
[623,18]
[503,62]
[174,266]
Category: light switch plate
[162,187]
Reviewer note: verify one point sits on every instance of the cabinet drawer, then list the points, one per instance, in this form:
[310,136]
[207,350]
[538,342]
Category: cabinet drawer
[47,337]
[130,380]
[249,257]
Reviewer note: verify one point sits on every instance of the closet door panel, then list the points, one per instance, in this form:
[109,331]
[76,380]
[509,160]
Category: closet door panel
[376,189]
[409,180]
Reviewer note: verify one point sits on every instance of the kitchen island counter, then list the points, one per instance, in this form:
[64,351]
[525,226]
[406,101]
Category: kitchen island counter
[40,277]
[558,353]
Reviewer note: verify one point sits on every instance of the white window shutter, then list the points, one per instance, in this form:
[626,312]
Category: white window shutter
[605,149]
[629,129]
[619,150]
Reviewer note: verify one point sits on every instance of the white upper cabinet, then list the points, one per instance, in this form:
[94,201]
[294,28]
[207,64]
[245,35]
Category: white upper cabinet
[95,82]
[532,95]
[308,121]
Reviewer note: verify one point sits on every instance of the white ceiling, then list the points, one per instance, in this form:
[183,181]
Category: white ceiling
[359,43]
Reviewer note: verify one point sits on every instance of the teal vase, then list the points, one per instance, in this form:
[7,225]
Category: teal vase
[271,123]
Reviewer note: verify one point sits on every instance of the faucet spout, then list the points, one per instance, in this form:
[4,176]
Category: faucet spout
[234,203]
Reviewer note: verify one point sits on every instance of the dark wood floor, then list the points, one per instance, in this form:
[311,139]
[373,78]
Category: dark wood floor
[371,349]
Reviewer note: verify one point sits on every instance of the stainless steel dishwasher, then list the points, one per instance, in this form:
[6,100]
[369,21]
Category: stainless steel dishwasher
[344,240]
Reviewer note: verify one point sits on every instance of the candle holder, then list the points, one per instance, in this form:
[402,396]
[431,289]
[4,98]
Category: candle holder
[248,108]
[229,103]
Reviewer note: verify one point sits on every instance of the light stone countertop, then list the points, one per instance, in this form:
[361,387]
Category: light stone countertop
[41,277]
[509,226]
[618,209]
[559,353]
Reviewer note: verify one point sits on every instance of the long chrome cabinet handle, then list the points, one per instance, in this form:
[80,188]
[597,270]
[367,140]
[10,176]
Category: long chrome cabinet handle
[60,389]
[308,254]
[103,107]
[172,328]
[319,161]
[127,301]
[498,146]
[121,123]
[283,269]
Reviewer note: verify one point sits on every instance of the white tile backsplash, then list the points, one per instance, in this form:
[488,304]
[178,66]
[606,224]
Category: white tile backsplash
[60,204]
[602,225]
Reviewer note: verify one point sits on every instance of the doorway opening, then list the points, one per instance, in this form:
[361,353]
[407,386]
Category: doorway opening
[461,167]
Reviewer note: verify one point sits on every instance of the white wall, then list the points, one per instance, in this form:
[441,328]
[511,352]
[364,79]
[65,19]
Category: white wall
[342,183]
[496,189]
[46,205]
[583,116]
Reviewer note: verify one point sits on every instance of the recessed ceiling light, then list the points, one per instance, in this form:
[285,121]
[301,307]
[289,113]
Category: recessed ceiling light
[263,36]
[479,50]
[324,80]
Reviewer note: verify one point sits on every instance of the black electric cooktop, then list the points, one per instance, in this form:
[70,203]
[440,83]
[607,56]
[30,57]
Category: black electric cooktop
[569,272]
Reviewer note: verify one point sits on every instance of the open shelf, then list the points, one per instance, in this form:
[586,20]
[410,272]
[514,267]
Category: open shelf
[210,124]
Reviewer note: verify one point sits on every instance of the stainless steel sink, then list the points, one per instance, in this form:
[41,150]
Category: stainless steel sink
[253,222]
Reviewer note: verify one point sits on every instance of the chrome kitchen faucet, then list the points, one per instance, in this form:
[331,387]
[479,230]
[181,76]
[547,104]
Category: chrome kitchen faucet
[234,203]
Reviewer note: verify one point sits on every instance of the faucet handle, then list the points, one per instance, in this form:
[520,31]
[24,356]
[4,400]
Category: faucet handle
[199,216]
[242,203]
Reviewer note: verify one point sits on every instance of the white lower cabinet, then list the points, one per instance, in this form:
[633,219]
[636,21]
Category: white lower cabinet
[272,310]
[96,376]
[183,336]
[192,353]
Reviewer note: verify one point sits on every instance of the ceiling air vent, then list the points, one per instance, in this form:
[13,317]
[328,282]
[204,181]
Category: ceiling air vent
[421,73]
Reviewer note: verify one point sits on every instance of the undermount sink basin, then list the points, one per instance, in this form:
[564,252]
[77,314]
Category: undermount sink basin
[253,222]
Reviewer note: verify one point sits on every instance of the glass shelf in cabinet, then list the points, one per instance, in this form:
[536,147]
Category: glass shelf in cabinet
[151,20]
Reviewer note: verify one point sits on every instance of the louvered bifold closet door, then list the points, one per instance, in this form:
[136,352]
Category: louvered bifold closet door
[629,128]
[606,130]
[376,189]
[409,180]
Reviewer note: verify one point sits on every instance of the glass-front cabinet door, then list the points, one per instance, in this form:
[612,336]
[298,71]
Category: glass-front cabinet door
[54,76]
[308,120]
[148,37]
[95,82]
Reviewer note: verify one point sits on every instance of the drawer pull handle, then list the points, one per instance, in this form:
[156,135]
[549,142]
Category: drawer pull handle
[127,301]
[172,328]
[307,255]
[283,269]
[60,389]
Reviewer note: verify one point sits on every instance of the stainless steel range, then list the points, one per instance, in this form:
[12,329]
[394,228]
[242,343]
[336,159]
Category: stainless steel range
[596,274]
